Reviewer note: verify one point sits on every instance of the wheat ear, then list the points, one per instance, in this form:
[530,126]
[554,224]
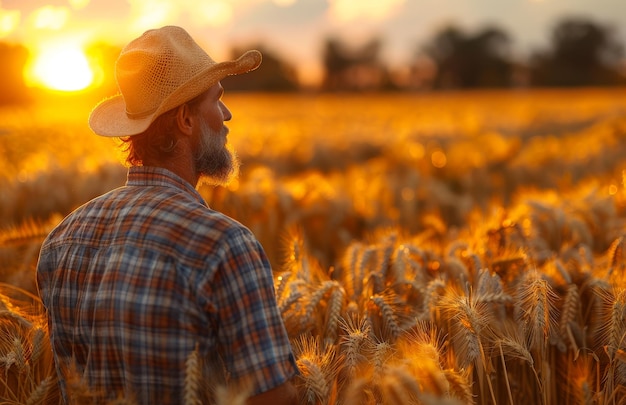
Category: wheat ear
[380,305]
[354,340]
[359,392]
[354,270]
[333,314]
[459,385]
[617,325]
[398,386]
[193,376]
[294,295]
[39,394]
[30,231]
[401,262]
[569,314]
[616,255]
[314,300]
[466,323]
[280,285]
[535,309]
[432,295]
[318,369]
[387,255]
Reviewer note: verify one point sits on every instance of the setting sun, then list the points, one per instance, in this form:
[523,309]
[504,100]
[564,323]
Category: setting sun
[61,68]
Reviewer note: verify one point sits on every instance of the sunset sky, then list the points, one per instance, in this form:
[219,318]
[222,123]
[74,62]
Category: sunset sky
[295,29]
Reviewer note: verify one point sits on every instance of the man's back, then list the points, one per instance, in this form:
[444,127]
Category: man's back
[136,280]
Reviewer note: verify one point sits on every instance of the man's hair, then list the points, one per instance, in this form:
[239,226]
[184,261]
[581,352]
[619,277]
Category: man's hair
[159,140]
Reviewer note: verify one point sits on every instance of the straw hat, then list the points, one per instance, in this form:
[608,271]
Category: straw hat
[156,72]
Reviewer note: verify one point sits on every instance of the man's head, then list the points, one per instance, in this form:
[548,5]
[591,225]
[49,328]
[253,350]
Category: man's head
[167,83]
[162,69]
[199,122]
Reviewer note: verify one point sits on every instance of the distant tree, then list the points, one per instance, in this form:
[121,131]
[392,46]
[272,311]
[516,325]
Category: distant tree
[582,53]
[469,61]
[354,69]
[274,74]
[12,83]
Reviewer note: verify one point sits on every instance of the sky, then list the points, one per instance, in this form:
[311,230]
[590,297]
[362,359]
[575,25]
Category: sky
[295,29]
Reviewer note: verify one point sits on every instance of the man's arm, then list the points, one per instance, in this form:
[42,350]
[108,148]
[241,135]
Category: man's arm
[284,394]
[252,339]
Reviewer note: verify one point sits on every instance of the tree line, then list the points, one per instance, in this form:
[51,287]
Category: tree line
[581,52]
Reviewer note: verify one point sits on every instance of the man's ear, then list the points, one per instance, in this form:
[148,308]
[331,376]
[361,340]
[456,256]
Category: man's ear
[185,120]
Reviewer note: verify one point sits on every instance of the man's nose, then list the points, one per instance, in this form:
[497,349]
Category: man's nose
[227,114]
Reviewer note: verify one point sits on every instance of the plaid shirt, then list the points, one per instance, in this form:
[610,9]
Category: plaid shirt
[137,279]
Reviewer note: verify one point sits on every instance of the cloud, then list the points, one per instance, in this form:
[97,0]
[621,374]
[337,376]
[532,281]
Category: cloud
[79,4]
[351,10]
[147,14]
[214,14]
[284,3]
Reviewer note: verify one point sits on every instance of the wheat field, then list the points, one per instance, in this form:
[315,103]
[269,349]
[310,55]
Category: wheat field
[447,248]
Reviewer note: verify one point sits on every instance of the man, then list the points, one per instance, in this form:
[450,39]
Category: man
[146,277]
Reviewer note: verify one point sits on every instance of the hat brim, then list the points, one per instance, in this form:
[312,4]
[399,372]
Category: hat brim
[109,118]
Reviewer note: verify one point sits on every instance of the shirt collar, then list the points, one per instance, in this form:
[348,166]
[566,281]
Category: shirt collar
[158,176]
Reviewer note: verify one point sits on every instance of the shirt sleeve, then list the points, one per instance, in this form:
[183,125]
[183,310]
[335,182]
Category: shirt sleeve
[252,341]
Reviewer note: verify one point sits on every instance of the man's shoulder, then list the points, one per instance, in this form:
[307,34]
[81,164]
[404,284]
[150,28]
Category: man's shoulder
[208,221]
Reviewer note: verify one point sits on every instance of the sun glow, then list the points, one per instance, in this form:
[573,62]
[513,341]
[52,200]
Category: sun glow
[9,20]
[61,67]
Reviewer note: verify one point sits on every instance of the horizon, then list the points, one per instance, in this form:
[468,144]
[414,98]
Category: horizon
[295,30]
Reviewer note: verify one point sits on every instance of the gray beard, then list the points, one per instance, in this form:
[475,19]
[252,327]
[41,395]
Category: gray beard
[216,163]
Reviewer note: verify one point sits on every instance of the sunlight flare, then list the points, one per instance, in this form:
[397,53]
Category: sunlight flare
[62,68]
[9,20]
[50,17]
